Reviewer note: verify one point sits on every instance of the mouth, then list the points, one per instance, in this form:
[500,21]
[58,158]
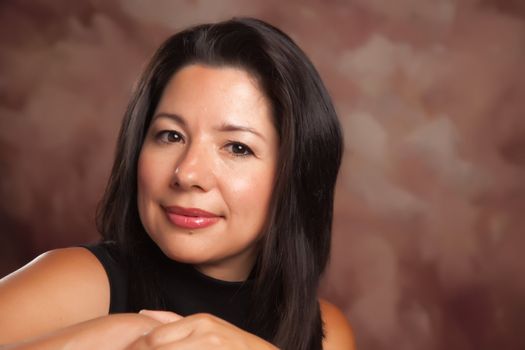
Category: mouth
[190,218]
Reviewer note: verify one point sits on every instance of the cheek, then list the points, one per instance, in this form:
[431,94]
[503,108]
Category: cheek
[149,178]
[143,179]
[152,172]
[249,194]
[144,175]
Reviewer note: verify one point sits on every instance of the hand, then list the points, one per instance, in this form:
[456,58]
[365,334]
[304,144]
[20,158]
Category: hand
[199,331]
[113,332]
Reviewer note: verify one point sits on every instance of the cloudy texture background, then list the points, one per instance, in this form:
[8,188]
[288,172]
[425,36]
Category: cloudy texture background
[430,212]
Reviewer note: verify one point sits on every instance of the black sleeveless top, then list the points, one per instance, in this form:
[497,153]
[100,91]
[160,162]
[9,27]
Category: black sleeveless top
[188,290]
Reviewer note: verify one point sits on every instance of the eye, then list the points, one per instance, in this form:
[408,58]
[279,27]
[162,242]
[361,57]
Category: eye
[170,136]
[239,149]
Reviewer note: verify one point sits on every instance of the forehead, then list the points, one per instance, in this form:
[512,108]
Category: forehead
[221,92]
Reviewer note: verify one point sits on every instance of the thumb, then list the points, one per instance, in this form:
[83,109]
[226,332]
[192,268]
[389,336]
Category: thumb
[161,316]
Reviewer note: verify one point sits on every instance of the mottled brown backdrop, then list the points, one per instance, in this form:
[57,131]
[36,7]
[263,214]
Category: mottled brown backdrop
[430,211]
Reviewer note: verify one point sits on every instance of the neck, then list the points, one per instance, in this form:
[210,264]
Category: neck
[235,270]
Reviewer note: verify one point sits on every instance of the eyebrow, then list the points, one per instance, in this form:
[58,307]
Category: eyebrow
[175,117]
[226,127]
[232,127]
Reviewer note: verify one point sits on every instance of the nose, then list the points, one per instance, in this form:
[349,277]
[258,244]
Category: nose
[193,170]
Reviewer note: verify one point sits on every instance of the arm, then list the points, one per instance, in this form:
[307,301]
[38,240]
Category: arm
[198,331]
[58,289]
[338,333]
[107,332]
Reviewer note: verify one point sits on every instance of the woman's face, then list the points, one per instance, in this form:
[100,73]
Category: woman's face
[206,170]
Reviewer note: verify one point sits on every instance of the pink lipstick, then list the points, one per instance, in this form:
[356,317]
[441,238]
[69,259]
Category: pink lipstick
[190,218]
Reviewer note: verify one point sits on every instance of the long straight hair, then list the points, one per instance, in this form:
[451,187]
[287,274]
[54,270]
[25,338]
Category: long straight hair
[296,240]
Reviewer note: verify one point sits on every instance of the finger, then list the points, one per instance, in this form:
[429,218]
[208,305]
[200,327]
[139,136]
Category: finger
[165,334]
[192,343]
[176,331]
[161,316]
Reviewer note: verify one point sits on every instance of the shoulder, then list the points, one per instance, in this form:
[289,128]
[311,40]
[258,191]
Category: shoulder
[338,333]
[59,288]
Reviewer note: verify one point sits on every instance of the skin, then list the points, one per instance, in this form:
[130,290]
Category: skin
[40,302]
[201,152]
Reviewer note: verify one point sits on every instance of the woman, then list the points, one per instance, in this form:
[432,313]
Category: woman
[218,210]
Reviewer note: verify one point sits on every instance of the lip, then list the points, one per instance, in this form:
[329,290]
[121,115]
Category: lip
[190,218]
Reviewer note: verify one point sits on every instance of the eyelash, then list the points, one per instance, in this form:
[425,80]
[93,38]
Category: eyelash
[163,136]
[248,151]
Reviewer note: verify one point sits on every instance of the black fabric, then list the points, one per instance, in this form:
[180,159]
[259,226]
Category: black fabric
[187,290]
[118,279]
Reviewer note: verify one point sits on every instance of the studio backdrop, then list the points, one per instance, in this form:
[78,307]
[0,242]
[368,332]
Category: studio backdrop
[429,227]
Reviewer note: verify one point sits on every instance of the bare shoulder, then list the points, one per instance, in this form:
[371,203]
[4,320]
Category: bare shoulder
[57,289]
[338,333]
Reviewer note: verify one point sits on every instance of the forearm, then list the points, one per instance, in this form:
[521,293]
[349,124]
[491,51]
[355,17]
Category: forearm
[109,332]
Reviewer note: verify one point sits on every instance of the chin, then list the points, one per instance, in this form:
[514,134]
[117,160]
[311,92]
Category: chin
[186,254]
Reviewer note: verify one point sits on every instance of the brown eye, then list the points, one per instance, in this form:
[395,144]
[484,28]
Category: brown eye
[239,149]
[170,136]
